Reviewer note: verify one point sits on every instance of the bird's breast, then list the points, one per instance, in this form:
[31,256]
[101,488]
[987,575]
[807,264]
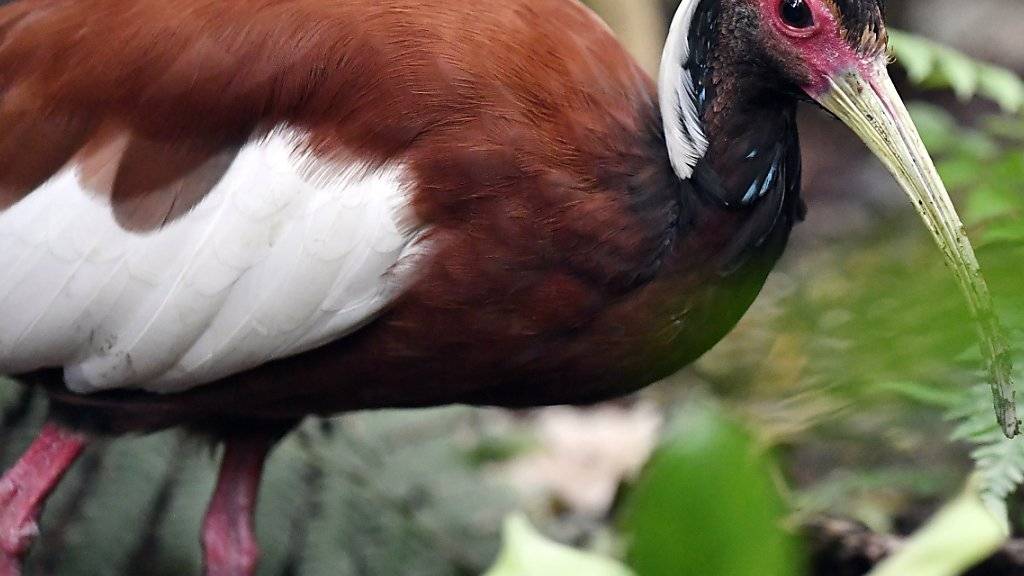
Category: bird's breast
[537,316]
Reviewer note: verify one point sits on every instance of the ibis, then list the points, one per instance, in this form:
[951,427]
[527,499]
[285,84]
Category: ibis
[229,216]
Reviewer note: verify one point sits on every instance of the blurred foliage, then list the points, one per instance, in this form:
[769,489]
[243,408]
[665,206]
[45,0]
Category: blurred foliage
[384,493]
[859,360]
[959,537]
[527,553]
[986,164]
[885,330]
[934,65]
[888,338]
[708,504]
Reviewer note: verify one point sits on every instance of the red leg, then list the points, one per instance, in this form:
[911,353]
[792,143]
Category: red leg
[229,541]
[25,487]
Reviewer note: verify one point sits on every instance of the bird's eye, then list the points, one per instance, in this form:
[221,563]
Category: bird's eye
[796,13]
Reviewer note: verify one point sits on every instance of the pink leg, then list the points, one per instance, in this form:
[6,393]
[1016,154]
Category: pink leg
[229,541]
[24,489]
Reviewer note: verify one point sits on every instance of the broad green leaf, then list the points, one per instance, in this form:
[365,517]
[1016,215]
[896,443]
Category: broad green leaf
[708,504]
[527,553]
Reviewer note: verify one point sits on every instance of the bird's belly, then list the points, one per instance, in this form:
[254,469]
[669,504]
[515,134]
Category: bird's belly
[521,353]
[275,260]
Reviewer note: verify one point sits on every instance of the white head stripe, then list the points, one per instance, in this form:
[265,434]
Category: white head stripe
[684,134]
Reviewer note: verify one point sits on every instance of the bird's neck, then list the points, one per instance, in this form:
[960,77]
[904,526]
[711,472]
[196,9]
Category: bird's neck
[738,196]
[722,105]
[733,220]
[739,131]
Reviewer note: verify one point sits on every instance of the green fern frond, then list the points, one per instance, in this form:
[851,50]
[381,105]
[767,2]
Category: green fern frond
[999,462]
[973,161]
[934,65]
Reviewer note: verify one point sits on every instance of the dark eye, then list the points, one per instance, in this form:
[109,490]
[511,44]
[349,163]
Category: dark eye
[796,13]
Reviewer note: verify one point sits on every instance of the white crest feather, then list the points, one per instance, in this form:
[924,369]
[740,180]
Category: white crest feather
[684,134]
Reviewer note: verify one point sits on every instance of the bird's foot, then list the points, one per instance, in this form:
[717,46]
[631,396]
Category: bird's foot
[229,538]
[25,487]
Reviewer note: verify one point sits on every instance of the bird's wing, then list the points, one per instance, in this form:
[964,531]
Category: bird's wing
[171,211]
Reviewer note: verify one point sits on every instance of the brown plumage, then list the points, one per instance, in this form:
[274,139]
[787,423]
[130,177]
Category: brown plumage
[533,138]
[231,215]
[540,175]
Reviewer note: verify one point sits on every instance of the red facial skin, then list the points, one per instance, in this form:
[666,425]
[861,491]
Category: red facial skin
[823,48]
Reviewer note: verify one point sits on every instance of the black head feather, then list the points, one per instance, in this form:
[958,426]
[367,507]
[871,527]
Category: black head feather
[864,23]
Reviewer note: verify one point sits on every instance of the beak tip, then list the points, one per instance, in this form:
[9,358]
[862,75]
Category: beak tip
[1008,419]
[1004,389]
[1011,428]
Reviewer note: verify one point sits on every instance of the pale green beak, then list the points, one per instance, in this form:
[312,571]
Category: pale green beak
[868,103]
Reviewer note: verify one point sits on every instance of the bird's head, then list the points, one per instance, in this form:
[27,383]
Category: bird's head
[722,52]
[768,53]
[815,43]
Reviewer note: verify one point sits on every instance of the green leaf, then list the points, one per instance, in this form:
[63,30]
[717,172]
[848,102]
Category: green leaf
[527,553]
[999,462]
[915,54]
[708,504]
[1003,86]
[957,538]
[931,64]
[960,72]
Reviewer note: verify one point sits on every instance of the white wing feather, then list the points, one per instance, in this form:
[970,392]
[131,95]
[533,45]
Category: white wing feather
[274,261]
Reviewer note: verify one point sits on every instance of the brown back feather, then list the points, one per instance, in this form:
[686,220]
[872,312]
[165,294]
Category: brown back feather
[33,147]
[373,80]
[158,181]
[532,138]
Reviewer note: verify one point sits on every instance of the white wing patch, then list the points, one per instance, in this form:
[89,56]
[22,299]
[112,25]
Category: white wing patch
[276,260]
[684,132]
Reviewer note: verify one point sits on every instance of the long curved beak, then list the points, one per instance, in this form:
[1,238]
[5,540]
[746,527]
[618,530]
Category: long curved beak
[868,103]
